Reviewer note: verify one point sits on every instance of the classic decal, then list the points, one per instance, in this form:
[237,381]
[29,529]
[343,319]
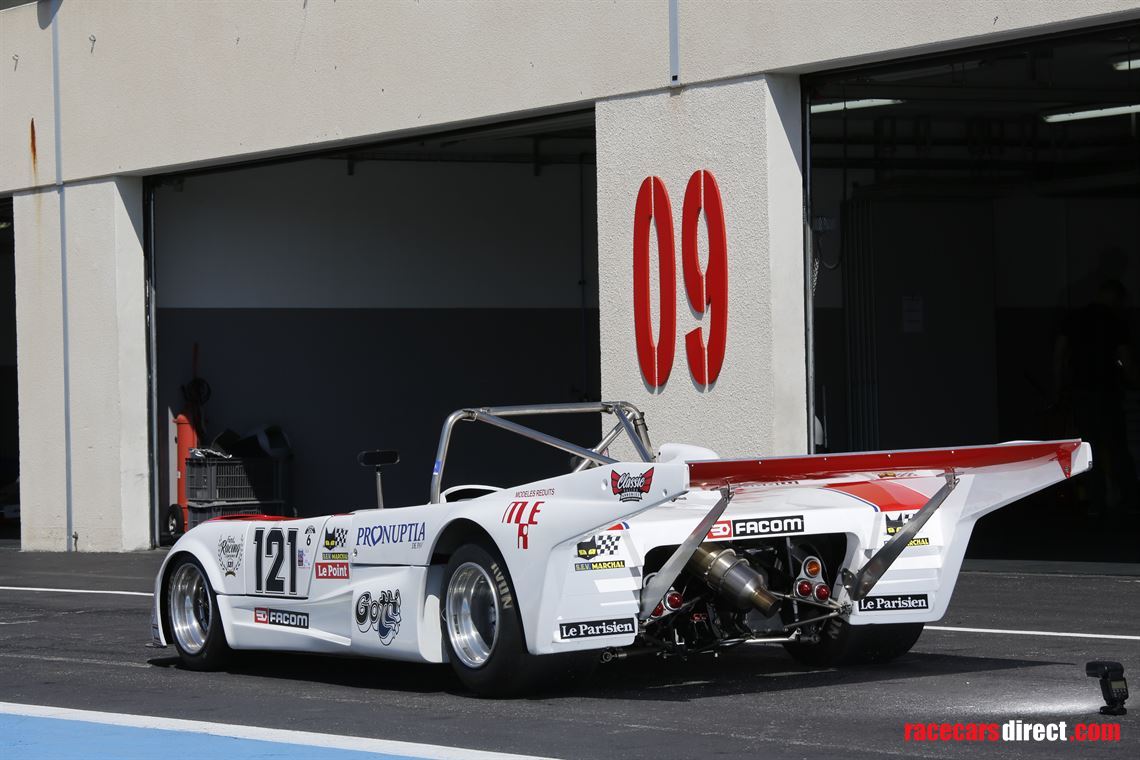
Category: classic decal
[894,602]
[412,533]
[286,618]
[613,627]
[629,487]
[381,614]
[229,555]
[336,570]
[519,514]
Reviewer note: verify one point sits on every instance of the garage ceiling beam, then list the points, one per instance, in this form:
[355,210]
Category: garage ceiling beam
[933,94]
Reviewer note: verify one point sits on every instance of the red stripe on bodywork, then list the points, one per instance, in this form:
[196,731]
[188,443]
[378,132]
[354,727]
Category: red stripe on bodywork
[887,495]
[719,472]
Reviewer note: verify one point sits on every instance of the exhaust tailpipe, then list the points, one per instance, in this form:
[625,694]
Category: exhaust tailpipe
[733,578]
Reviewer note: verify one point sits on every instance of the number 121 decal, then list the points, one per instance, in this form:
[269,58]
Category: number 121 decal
[706,291]
[269,549]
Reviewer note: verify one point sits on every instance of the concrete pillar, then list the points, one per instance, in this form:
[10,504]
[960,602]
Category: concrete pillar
[91,379]
[748,134]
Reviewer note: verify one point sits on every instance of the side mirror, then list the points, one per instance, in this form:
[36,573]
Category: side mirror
[377,459]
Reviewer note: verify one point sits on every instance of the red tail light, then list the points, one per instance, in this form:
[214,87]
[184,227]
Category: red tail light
[803,588]
[822,592]
[674,600]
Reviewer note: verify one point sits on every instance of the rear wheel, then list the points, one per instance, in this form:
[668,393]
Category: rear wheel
[483,633]
[192,614]
[841,643]
[174,526]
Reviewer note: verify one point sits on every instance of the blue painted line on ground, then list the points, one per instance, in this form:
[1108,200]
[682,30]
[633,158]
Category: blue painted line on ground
[60,739]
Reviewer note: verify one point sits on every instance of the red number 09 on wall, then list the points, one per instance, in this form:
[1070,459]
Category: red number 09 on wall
[707,291]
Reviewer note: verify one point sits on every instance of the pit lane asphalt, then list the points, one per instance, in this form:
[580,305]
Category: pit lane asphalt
[89,652]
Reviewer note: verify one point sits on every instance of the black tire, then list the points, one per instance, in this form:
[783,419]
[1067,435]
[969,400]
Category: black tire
[507,669]
[174,522]
[841,643]
[187,604]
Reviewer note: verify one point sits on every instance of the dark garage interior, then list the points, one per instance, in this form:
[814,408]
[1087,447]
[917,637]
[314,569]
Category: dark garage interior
[354,299]
[975,270]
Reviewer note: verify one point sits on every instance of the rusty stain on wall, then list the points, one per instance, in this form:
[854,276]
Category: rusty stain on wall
[32,142]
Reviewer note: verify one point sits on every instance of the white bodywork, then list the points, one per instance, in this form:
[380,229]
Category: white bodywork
[369,583]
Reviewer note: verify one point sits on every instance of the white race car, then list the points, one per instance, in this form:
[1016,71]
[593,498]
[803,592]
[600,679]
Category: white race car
[839,557]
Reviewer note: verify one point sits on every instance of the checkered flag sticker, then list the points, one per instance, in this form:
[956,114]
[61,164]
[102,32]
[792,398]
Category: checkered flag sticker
[608,543]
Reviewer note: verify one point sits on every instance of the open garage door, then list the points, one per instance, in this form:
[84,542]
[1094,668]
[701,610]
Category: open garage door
[354,299]
[975,270]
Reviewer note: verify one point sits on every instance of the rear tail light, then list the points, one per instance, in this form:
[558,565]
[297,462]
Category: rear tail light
[812,567]
[803,588]
[674,600]
[658,611]
[822,592]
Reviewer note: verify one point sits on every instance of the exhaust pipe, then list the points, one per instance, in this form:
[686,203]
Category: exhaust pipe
[733,578]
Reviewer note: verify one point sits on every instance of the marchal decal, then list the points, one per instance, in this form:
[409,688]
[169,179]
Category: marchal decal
[229,555]
[335,537]
[598,545]
[381,614]
[629,487]
[614,627]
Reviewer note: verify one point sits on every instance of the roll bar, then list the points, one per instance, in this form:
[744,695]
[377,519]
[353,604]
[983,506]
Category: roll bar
[630,421]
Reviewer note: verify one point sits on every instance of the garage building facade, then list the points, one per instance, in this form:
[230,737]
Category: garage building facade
[383,211]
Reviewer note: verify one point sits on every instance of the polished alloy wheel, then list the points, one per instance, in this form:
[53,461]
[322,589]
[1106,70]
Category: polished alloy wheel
[190,616]
[472,612]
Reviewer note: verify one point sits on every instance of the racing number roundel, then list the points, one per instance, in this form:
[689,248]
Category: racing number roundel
[706,291]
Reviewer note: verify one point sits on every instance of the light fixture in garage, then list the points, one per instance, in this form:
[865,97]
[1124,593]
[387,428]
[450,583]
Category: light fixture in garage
[1093,113]
[1126,64]
[850,105]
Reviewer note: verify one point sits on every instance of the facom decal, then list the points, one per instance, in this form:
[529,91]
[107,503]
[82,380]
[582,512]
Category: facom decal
[629,487]
[286,618]
[336,570]
[763,526]
[602,564]
[721,529]
[412,533]
[229,555]
[894,602]
[523,516]
[598,545]
[614,627]
[381,614]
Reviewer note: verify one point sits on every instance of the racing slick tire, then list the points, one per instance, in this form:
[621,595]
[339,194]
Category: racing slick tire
[192,616]
[841,643]
[483,632]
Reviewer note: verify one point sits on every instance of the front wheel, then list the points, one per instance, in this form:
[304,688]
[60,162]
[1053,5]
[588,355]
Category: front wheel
[483,633]
[841,643]
[194,623]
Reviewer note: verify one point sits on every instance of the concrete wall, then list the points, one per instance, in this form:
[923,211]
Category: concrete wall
[166,84]
[104,351]
[747,133]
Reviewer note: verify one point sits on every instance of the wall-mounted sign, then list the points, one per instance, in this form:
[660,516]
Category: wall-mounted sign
[707,291]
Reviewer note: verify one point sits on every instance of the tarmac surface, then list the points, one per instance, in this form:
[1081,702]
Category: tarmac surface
[90,651]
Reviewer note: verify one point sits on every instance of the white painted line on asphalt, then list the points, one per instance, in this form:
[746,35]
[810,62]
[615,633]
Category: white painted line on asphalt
[75,591]
[280,735]
[1034,633]
[17,622]
[79,660]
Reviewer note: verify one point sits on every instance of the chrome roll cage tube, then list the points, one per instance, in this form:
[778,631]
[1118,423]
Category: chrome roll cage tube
[630,421]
